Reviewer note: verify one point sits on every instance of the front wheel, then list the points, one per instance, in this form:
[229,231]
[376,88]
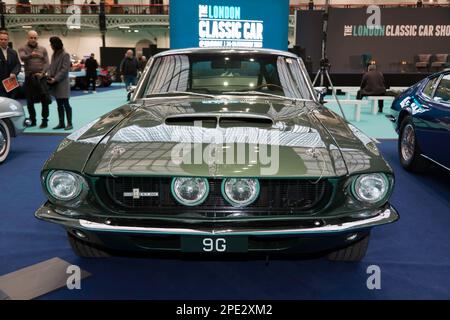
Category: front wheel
[408,147]
[99,82]
[352,253]
[5,141]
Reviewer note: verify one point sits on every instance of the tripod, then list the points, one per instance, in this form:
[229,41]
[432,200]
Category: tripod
[324,63]
[323,72]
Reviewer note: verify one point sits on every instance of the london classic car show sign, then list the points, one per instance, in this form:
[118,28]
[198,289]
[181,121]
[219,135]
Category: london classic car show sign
[232,23]
[400,35]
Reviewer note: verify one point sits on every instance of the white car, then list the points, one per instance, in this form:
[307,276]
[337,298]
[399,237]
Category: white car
[12,123]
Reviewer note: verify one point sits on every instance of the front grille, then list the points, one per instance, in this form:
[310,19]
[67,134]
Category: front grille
[277,197]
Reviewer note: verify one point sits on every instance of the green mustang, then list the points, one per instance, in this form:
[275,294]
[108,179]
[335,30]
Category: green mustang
[219,151]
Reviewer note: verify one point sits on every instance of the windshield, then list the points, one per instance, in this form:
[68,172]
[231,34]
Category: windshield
[227,73]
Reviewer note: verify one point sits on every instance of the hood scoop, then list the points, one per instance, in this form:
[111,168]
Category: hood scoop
[223,120]
[192,120]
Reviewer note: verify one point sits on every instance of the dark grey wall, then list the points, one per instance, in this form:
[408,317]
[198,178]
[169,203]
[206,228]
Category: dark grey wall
[309,34]
[112,56]
[345,52]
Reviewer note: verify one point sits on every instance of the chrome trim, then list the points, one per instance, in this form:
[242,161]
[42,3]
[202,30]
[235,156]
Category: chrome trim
[308,81]
[219,115]
[386,216]
[140,86]
[224,50]
[434,161]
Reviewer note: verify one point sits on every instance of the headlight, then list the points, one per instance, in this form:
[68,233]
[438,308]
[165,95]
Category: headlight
[370,188]
[64,185]
[240,192]
[190,191]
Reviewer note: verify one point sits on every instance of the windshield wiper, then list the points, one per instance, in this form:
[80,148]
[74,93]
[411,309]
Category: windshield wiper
[180,93]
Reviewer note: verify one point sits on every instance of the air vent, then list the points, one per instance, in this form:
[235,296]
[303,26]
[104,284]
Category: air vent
[258,122]
[225,120]
[203,121]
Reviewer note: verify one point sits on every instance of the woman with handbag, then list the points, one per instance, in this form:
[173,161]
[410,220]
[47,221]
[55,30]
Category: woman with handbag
[58,79]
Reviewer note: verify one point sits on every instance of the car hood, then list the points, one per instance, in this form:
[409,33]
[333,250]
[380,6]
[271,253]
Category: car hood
[237,137]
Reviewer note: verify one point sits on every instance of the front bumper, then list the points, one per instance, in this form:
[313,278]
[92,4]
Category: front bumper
[312,234]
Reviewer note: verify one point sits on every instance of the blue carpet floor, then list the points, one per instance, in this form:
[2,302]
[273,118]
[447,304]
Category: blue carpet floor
[413,253]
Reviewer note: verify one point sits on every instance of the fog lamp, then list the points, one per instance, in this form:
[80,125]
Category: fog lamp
[190,191]
[240,191]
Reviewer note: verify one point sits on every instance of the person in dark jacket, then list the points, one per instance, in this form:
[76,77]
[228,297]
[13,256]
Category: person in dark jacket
[129,69]
[91,66]
[58,78]
[142,63]
[35,59]
[372,84]
[9,63]
[93,6]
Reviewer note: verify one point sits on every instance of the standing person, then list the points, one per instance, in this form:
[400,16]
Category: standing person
[9,63]
[35,59]
[58,79]
[142,63]
[372,84]
[129,69]
[85,7]
[91,66]
[93,6]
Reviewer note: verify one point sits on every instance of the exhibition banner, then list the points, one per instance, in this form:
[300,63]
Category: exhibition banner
[393,38]
[229,23]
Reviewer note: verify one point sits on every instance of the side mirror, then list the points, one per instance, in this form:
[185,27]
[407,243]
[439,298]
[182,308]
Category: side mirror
[321,92]
[130,90]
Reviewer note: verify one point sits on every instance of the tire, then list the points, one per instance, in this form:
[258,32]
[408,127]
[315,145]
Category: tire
[84,249]
[408,147]
[5,141]
[99,82]
[353,253]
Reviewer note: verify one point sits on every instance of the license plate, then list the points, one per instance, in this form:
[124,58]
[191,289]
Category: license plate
[214,244]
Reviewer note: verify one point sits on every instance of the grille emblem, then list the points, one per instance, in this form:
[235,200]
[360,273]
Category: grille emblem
[137,194]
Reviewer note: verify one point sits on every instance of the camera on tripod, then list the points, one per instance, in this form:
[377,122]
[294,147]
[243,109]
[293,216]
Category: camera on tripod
[325,63]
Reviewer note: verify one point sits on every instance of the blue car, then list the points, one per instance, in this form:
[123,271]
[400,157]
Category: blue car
[421,116]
